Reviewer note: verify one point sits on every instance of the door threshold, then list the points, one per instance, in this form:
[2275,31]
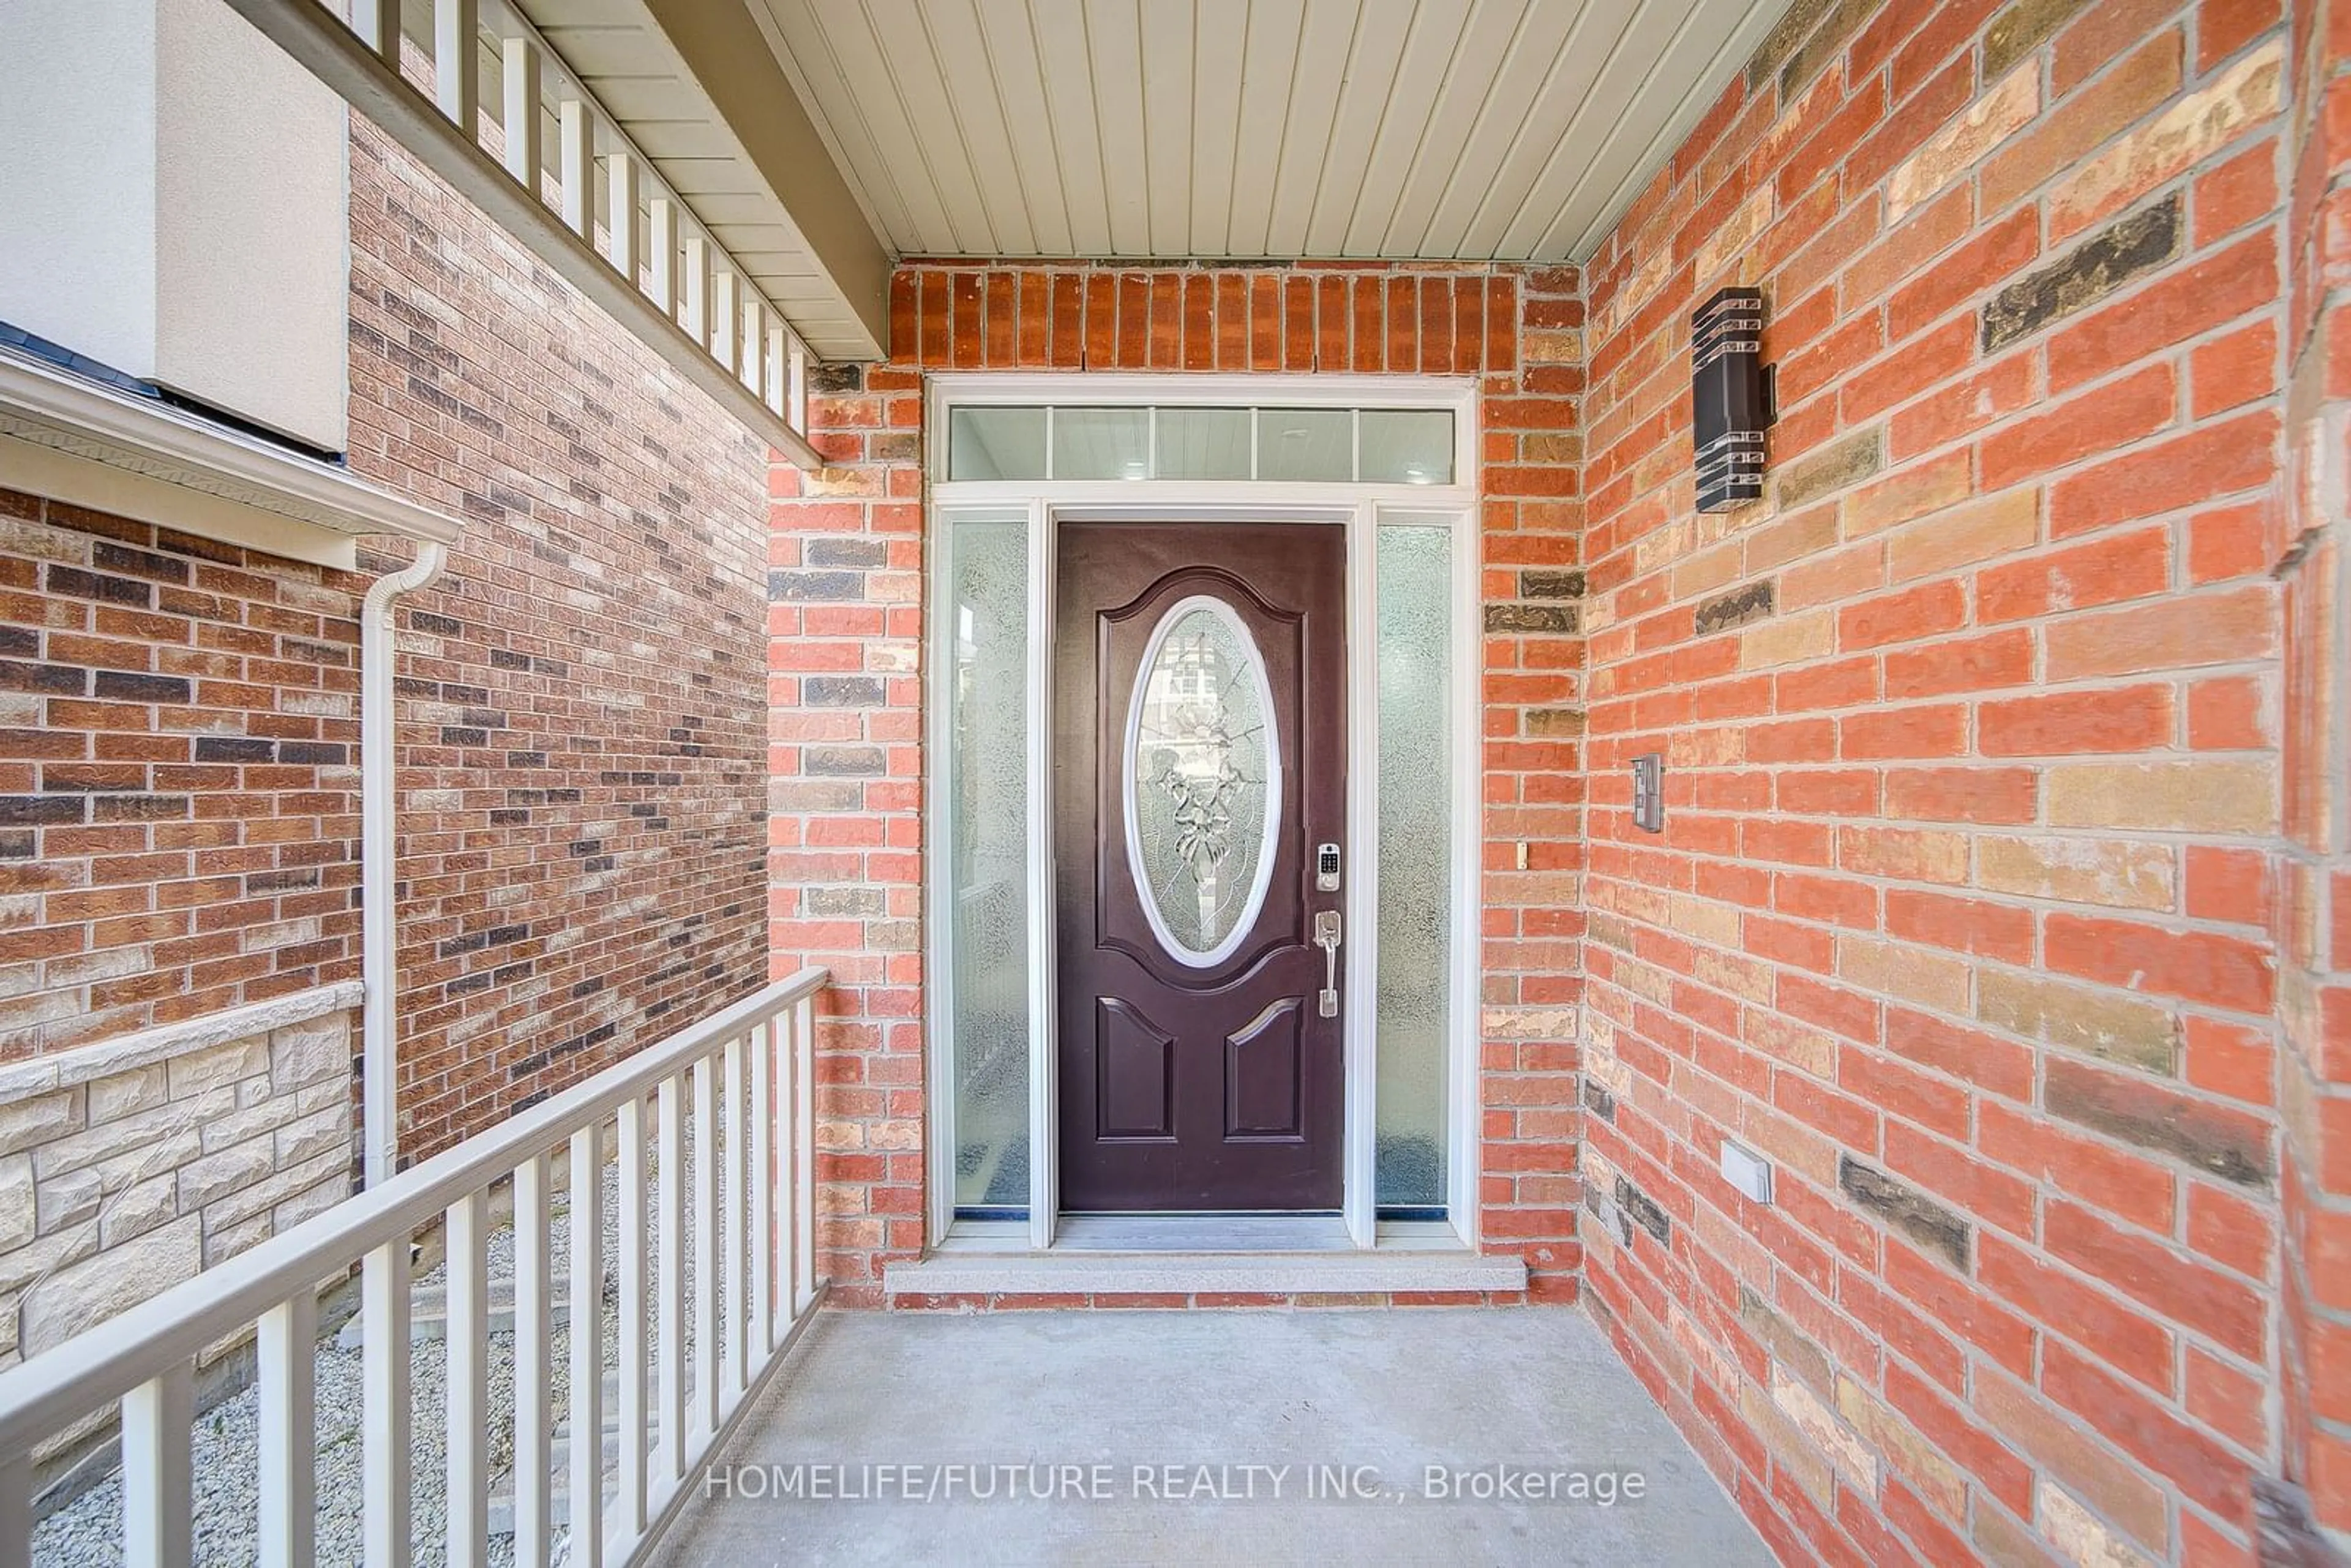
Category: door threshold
[1202,1233]
[1199,1234]
[1065,1273]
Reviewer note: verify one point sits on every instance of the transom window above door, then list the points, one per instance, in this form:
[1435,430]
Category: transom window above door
[1304,444]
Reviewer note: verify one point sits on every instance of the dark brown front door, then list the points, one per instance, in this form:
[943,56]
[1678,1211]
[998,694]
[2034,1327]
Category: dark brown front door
[1199,762]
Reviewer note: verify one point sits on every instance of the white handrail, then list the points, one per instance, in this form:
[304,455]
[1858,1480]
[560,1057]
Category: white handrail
[144,1354]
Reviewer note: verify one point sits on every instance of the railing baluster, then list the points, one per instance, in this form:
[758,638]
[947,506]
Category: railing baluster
[384,1306]
[287,1354]
[795,403]
[158,1490]
[803,1154]
[533,1409]
[779,362]
[626,247]
[457,62]
[732,1278]
[526,138]
[670,1359]
[587,1520]
[694,289]
[763,1190]
[787,1171]
[575,166]
[16,1512]
[661,253]
[752,333]
[629,1503]
[705,1247]
[465,1231]
[725,339]
[377,22]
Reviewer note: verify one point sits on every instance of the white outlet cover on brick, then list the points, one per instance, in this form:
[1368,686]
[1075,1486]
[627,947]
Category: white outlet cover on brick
[1747,1171]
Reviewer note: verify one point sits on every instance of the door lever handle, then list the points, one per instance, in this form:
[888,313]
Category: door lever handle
[1326,936]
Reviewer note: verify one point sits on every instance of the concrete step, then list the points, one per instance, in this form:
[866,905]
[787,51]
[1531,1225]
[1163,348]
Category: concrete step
[428,1312]
[502,1486]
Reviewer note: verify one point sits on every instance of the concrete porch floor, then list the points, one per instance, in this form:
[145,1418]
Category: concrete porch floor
[1166,1392]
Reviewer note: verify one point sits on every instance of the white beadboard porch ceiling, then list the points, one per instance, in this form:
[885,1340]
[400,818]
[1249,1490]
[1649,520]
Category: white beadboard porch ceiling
[1473,130]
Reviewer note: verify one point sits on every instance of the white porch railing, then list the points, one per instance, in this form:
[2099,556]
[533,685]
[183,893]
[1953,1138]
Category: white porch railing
[713,1124]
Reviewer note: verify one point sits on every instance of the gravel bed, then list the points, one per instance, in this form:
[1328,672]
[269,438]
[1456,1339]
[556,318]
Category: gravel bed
[87,1531]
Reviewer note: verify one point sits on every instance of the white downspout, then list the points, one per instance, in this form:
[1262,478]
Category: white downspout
[378,800]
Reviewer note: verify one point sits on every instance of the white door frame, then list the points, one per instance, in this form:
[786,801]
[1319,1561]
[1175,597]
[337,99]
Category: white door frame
[1361,510]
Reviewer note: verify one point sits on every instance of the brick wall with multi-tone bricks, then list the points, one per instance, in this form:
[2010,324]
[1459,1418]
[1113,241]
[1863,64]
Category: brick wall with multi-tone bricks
[1963,909]
[179,739]
[581,698]
[846,623]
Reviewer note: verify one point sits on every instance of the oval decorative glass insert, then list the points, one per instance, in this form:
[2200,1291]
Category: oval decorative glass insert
[1204,781]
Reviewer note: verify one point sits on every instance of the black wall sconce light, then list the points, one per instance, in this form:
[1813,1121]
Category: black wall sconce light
[1730,399]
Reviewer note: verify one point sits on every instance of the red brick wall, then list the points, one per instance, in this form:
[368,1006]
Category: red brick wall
[847,620]
[179,737]
[2313,920]
[1962,914]
[581,713]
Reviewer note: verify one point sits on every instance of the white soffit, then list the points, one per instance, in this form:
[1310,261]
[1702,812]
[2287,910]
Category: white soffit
[1470,130]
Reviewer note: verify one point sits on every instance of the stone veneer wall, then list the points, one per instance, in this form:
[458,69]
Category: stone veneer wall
[129,1165]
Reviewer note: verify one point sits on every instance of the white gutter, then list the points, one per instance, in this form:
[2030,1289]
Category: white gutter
[171,465]
[379,801]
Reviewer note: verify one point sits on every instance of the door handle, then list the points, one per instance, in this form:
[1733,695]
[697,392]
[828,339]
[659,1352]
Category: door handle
[1326,936]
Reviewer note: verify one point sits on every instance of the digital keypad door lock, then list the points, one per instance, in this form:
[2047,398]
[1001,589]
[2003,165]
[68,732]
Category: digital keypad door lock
[1326,868]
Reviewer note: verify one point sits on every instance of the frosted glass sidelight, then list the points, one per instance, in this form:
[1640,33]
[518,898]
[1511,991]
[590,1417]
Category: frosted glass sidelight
[1203,443]
[1204,781]
[1413,639]
[987,827]
[1407,447]
[1102,443]
[996,444]
[1297,444]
